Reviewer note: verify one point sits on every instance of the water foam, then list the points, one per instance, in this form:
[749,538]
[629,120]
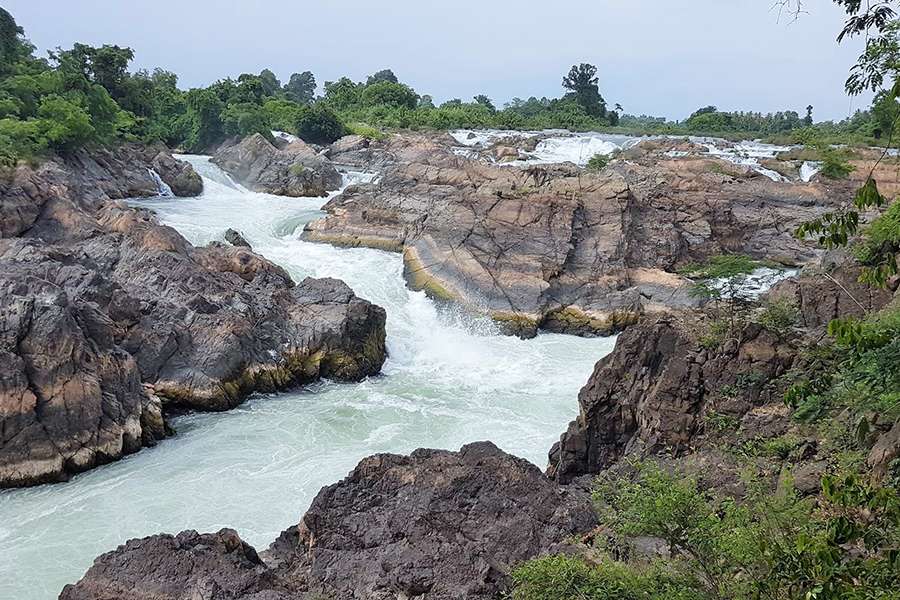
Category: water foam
[449,380]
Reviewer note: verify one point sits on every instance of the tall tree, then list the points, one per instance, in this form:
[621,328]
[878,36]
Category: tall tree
[383,75]
[12,47]
[808,120]
[269,82]
[485,101]
[582,85]
[301,87]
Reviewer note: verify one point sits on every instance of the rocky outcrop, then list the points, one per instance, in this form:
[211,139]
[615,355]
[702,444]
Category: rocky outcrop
[235,238]
[829,289]
[559,248]
[184,567]
[652,392]
[110,317]
[434,525]
[295,170]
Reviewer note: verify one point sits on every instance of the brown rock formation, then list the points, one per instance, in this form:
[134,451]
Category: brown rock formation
[294,170]
[98,298]
[434,525]
[556,247]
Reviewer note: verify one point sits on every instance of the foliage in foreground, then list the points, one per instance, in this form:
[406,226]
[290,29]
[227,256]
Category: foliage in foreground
[769,546]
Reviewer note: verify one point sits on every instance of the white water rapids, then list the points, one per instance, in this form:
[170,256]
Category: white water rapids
[449,380]
[558,146]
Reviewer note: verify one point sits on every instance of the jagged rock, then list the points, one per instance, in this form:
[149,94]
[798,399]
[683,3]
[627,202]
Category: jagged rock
[435,525]
[650,394]
[189,566]
[235,238]
[831,289]
[98,298]
[807,478]
[885,452]
[296,170]
[557,248]
[88,177]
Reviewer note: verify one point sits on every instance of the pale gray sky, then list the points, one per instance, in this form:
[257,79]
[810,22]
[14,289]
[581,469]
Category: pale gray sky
[662,57]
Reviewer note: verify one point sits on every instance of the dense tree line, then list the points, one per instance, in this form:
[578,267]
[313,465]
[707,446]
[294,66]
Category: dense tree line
[87,95]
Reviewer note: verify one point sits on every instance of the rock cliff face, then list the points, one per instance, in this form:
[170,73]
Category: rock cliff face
[558,248]
[652,392]
[434,525]
[108,317]
[295,170]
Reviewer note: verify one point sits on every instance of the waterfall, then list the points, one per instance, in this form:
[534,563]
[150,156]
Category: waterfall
[162,187]
[809,170]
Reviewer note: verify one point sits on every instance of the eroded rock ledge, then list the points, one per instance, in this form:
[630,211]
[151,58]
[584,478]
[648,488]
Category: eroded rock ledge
[294,170]
[108,317]
[555,247]
[436,525]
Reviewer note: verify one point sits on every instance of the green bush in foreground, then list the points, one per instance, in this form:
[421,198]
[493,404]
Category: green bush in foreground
[571,578]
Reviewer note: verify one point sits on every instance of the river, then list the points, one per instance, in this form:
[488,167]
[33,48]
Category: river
[450,379]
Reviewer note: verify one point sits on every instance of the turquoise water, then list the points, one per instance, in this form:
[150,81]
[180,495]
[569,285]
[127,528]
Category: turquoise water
[449,380]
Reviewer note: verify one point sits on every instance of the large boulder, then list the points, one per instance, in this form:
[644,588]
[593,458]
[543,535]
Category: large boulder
[434,525]
[651,393]
[295,170]
[110,317]
[554,247]
[189,566]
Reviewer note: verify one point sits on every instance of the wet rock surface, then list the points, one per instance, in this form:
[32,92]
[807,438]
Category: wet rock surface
[433,525]
[557,247]
[295,170]
[98,299]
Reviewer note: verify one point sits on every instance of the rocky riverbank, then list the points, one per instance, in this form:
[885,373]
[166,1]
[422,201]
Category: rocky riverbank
[435,524]
[110,318]
[295,169]
[558,248]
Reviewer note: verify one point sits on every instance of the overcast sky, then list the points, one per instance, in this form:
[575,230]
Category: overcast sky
[661,57]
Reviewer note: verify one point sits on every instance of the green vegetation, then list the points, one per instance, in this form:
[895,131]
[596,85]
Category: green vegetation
[834,163]
[768,546]
[87,95]
[718,281]
[569,578]
[57,105]
[318,124]
[598,162]
[780,316]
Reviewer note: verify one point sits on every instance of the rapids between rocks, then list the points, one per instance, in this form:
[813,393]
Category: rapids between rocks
[449,380]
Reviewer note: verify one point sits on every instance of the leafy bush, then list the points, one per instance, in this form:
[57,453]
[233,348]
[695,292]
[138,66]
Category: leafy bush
[780,316]
[317,124]
[598,162]
[363,130]
[246,119]
[568,578]
[834,163]
[880,245]
[719,280]
[768,546]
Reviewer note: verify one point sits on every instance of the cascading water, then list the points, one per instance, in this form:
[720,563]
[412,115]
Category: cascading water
[450,379]
[161,186]
[809,170]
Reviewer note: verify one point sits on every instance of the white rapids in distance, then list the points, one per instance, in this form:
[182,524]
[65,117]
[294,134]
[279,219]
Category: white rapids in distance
[579,148]
[449,380]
